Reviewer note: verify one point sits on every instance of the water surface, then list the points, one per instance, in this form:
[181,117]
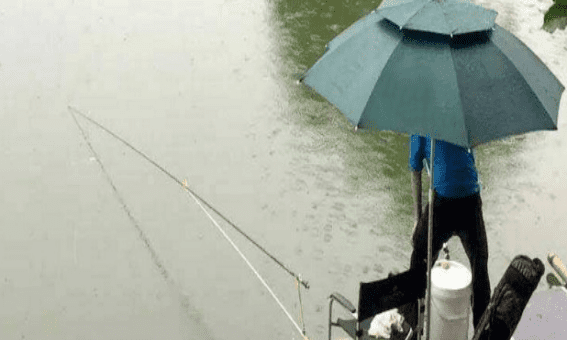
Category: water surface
[209,90]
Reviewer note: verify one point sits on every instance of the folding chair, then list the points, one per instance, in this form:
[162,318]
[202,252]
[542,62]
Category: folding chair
[377,297]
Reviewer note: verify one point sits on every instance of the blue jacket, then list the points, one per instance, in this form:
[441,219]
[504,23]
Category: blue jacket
[455,172]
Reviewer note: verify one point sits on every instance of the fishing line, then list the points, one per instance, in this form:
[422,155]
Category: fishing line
[302,332]
[198,200]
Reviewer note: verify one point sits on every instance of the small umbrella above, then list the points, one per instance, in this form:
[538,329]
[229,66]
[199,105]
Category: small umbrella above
[450,17]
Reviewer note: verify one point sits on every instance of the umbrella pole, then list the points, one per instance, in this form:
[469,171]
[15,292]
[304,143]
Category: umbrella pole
[429,244]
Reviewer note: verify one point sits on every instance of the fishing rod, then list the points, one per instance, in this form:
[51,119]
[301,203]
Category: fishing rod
[184,185]
[198,200]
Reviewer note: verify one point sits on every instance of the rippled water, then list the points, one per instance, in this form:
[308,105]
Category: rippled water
[209,90]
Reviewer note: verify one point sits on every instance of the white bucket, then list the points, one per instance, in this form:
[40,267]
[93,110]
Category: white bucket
[450,301]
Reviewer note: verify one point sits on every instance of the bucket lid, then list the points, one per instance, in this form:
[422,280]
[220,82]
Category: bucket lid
[453,276]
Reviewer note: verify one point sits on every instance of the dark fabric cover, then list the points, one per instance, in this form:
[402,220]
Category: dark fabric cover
[393,292]
[349,326]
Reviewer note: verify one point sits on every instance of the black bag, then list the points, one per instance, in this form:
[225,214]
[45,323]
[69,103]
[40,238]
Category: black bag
[509,299]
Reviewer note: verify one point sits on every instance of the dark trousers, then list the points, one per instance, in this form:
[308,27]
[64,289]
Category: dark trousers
[461,217]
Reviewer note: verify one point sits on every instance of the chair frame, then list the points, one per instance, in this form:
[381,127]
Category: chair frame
[385,303]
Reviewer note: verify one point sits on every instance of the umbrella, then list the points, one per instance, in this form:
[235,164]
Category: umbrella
[438,69]
[467,90]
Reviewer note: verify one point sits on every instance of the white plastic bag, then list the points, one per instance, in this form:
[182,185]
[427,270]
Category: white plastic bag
[382,324]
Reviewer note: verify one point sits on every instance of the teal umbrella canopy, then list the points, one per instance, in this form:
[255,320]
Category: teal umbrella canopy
[450,17]
[467,89]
